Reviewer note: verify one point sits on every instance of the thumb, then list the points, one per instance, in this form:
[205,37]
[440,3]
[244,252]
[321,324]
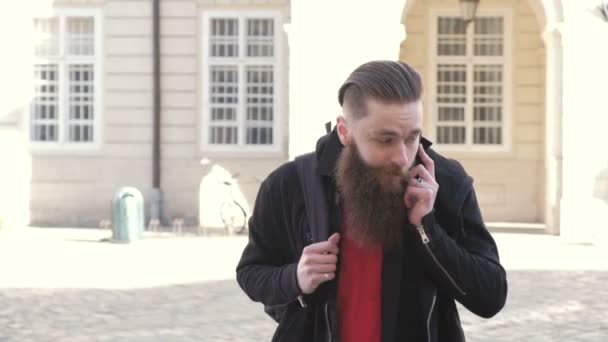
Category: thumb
[334,239]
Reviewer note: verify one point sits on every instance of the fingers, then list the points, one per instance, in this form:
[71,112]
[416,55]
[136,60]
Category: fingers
[326,268]
[318,271]
[320,278]
[322,253]
[334,239]
[318,264]
[319,259]
[321,248]
[415,194]
[322,273]
[330,246]
[310,277]
[429,164]
[422,172]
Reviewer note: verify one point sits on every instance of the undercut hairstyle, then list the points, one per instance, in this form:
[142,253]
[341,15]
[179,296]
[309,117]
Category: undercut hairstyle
[384,81]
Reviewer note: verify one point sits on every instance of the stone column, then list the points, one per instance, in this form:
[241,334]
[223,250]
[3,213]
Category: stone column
[584,204]
[552,37]
[16,88]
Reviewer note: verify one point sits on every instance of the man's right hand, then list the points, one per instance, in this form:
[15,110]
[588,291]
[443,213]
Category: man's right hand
[318,264]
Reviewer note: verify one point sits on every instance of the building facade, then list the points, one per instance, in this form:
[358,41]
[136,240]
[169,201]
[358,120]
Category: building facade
[246,85]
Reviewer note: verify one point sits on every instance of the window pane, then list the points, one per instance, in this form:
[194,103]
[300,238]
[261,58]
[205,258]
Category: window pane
[81,36]
[44,105]
[487,135]
[80,104]
[260,38]
[224,104]
[450,114]
[451,135]
[223,135]
[488,39]
[451,37]
[451,83]
[489,25]
[487,104]
[260,105]
[46,39]
[456,110]
[224,37]
[451,101]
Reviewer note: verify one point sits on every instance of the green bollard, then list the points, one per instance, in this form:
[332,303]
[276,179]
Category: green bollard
[127,215]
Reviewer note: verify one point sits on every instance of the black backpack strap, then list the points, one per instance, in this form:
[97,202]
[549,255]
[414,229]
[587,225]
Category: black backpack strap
[314,197]
[316,211]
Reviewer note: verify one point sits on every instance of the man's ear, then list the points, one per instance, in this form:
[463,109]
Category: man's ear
[343,131]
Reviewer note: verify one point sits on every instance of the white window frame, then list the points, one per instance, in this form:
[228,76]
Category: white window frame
[506,59]
[278,115]
[62,144]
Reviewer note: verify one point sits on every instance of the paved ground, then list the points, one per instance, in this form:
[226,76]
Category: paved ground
[65,285]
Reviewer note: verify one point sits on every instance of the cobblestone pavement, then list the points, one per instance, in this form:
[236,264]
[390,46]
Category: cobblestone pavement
[65,285]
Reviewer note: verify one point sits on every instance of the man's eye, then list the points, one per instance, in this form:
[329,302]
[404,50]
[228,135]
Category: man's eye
[412,140]
[385,141]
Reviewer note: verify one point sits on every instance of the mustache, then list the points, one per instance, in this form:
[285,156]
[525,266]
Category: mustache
[393,170]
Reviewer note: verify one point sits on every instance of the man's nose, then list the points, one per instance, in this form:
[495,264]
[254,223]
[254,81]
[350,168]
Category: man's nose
[400,156]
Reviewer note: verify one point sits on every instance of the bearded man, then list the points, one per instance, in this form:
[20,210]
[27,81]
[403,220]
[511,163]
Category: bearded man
[406,238]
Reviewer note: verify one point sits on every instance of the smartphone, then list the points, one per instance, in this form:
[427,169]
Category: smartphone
[417,160]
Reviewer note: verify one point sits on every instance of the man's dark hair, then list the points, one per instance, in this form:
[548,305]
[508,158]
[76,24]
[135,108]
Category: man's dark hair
[385,81]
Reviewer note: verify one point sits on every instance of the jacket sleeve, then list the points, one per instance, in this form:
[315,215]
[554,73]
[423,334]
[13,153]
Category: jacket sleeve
[469,269]
[263,272]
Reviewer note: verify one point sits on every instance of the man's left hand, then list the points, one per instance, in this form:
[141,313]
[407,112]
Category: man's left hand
[421,190]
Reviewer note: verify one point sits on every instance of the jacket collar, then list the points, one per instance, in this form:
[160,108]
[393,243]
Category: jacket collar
[328,149]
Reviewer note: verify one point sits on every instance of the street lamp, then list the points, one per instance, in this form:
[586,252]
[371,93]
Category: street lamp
[468,9]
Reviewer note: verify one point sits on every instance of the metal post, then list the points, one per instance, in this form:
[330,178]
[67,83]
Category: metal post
[156,200]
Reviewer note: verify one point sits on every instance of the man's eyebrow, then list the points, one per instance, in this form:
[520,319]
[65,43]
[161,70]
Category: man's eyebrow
[389,133]
[386,133]
[416,131]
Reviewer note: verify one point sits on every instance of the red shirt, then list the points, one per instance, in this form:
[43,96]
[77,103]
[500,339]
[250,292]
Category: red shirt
[359,291]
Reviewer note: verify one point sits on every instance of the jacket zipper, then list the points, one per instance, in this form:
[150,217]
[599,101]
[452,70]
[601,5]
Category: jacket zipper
[425,242]
[428,319]
[302,302]
[329,337]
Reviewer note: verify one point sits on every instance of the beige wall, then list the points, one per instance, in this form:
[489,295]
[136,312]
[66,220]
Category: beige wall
[76,189]
[251,167]
[509,185]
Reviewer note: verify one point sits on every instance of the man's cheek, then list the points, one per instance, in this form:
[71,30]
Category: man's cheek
[371,159]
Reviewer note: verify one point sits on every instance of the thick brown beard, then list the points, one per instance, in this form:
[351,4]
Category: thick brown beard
[375,215]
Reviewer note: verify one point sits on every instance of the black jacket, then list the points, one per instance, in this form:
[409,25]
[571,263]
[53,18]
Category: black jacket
[454,258]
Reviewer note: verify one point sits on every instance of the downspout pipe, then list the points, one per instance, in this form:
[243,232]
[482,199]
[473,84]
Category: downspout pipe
[156,200]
